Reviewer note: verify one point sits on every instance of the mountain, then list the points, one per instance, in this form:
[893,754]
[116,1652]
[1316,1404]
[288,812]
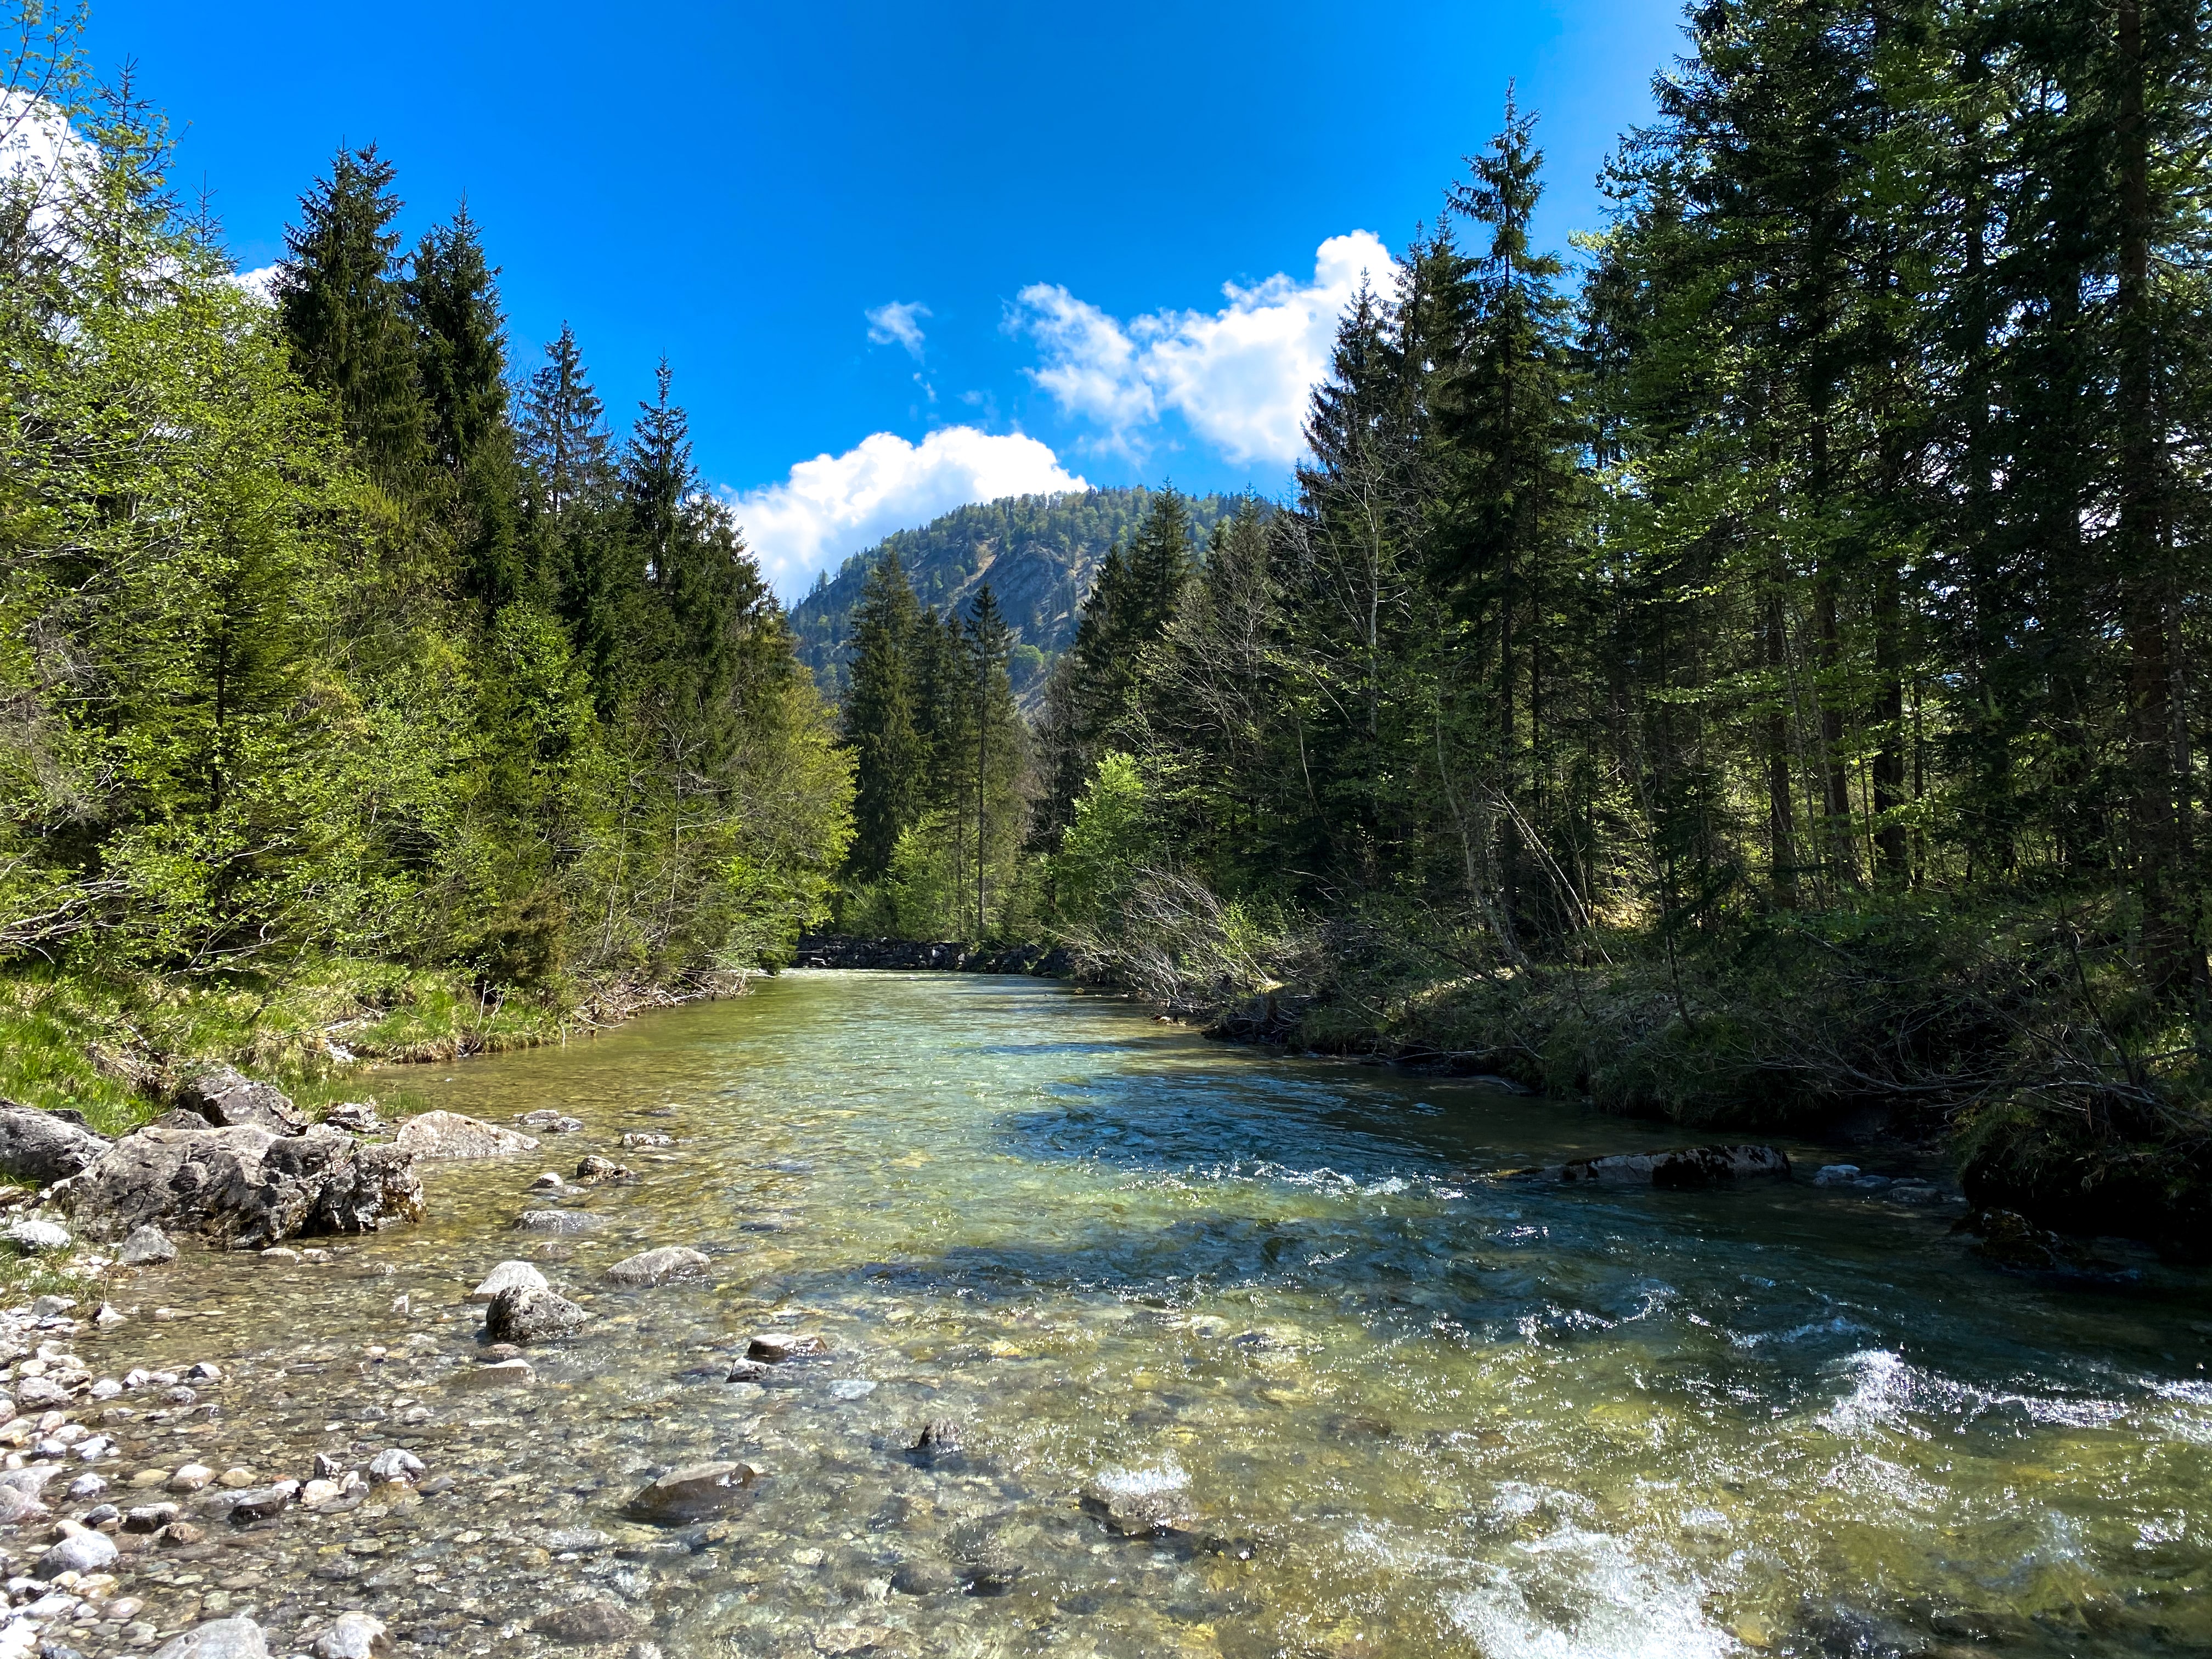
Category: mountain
[1038,552]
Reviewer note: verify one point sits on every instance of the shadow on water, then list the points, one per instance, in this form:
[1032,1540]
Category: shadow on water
[1460,1416]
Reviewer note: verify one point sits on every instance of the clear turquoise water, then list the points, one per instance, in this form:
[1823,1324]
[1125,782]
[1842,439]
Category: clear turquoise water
[1414,1411]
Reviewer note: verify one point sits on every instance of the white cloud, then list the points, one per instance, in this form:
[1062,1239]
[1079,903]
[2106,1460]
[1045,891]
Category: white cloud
[41,152]
[834,505]
[260,283]
[897,323]
[1240,376]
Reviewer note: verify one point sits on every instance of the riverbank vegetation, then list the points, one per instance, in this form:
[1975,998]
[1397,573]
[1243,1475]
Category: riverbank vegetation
[349,685]
[1750,675]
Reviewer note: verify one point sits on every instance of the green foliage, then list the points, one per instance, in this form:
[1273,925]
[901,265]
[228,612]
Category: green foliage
[1106,843]
[309,655]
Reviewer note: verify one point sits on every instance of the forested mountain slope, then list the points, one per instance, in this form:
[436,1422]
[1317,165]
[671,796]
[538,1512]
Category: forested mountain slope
[1039,553]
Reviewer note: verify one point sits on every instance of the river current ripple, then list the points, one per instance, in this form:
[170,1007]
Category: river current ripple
[1415,1410]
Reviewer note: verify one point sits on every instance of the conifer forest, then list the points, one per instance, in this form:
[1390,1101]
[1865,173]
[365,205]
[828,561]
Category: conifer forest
[1747,667]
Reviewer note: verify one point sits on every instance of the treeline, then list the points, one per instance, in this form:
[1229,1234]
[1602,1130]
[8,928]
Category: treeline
[323,641]
[1758,672]
[940,812]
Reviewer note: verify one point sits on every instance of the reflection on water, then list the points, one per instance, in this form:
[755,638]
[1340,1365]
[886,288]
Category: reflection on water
[1411,1412]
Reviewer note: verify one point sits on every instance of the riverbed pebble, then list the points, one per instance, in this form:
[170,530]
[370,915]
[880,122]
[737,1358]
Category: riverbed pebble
[352,1636]
[559,1222]
[657,1267]
[774,1347]
[79,1549]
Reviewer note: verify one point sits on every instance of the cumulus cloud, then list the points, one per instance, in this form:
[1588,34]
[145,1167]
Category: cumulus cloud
[835,505]
[1239,376]
[897,323]
[260,283]
[42,154]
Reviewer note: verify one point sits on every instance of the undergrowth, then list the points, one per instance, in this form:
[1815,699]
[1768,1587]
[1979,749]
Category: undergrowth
[2020,1038]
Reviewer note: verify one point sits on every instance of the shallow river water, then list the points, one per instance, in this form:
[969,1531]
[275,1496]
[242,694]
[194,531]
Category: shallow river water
[1415,1410]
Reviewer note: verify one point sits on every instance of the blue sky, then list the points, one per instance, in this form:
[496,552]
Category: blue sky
[898,256]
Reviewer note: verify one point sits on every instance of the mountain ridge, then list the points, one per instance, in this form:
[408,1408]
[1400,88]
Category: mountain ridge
[1039,553]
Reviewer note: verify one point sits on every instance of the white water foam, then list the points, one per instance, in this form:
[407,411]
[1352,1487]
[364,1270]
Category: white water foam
[1581,1595]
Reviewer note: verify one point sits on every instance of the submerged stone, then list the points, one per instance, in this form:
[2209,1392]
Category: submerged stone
[697,1492]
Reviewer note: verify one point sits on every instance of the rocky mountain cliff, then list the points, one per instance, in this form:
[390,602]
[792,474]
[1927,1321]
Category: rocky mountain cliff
[1039,553]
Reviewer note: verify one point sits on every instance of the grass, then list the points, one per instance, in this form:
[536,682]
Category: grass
[112,1047]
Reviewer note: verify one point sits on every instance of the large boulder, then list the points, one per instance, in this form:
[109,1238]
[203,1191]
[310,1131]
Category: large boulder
[228,1099]
[246,1184]
[443,1135]
[44,1147]
[1687,1169]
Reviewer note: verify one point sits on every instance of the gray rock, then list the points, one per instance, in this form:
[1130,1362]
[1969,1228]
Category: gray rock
[696,1492]
[36,1238]
[396,1463]
[547,1121]
[591,1622]
[925,1579]
[40,1393]
[247,1184]
[521,1315]
[596,1171]
[939,1439]
[1685,1170]
[356,1117]
[252,1503]
[146,1246]
[748,1371]
[1835,1175]
[353,1636]
[16,1505]
[559,1222]
[149,1517]
[508,1276]
[1137,1506]
[82,1550]
[449,1135]
[52,1307]
[777,1346]
[657,1267]
[219,1638]
[500,1373]
[44,1147]
[228,1099]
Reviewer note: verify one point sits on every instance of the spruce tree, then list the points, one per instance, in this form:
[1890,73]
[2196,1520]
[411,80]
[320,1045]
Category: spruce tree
[989,639]
[450,297]
[879,720]
[339,299]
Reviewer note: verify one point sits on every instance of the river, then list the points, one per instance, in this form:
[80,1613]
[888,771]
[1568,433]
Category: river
[1415,1410]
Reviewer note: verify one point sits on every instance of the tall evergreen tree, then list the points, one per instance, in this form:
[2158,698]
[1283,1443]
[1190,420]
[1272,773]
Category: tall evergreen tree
[338,297]
[880,724]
